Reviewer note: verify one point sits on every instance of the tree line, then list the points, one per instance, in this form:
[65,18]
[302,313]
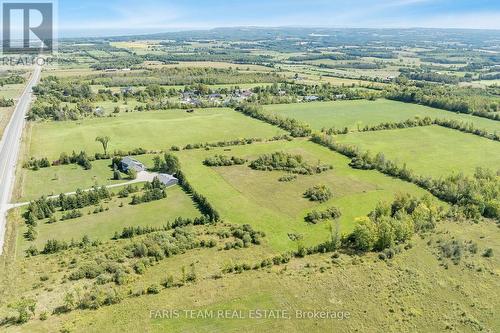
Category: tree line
[477,195]
[295,127]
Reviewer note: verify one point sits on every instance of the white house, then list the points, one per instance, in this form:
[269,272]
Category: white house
[167,180]
[128,163]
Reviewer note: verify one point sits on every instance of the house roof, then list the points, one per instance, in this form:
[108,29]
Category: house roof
[127,160]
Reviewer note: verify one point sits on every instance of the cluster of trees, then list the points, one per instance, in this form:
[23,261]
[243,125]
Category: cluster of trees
[466,127]
[287,162]
[320,56]
[172,166]
[319,193]
[172,76]
[36,164]
[54,246]
[12,79]
[74,214]
[51,109]
[118,63]
[432,77]
[5,103]
[127,190]
[169,164]
[356,65]
[293,93]
[153,191]
[295,127]
[244,236]
[227,55]
[81,198]
[394,223]
[131,232]
[415,122]
[223,160]
[43,207]
[64,91]
[81,159]
[476,196]
[315,216]
[235,142]
[287,178]
[456,100]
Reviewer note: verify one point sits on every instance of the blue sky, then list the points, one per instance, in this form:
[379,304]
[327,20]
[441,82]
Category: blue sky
[104,17]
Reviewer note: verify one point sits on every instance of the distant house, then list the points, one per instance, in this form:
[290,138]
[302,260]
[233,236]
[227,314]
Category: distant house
[340,96]
[281,92]
[128,163]
[127,90]
[167,180]
[246,93]
[215,96]
[99,112]
[311,98]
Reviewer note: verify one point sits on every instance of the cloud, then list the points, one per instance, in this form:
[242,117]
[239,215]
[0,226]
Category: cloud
[473,20]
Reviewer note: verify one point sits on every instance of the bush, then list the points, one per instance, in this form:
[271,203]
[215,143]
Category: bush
[153,289]
[488,253]
[287,162]
[318,216]
[319,193]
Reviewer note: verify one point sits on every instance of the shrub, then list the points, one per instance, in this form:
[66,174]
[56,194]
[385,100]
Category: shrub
[153,289]
[319,193]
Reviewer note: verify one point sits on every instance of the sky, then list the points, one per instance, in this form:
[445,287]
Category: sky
[121,17]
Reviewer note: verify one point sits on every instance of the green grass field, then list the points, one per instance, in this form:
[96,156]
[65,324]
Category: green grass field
[356,113]
[103,225]
[432,151]
[151,130]
[64,178]
[243,195]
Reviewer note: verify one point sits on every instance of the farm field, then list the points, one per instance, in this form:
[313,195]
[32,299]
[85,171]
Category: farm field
[64,179]
[430,151]
[270,211]
[120,214]
[351,114]
[243,195]
[152,130]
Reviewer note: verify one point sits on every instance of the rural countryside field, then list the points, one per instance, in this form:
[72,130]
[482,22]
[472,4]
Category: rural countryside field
[256,180]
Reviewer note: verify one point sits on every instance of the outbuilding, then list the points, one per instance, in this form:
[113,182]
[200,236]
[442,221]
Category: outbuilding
[128,163]
[167,180]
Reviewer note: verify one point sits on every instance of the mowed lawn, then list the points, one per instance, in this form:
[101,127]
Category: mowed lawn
[103,225]
[243,195]
[431,151]
[64,179]
[150,130]
[351,114]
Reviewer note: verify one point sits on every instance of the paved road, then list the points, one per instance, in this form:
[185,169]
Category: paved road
[9,150]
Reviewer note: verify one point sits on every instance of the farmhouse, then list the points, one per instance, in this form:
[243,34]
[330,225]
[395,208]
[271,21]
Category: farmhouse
[167,180]
[128,163]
